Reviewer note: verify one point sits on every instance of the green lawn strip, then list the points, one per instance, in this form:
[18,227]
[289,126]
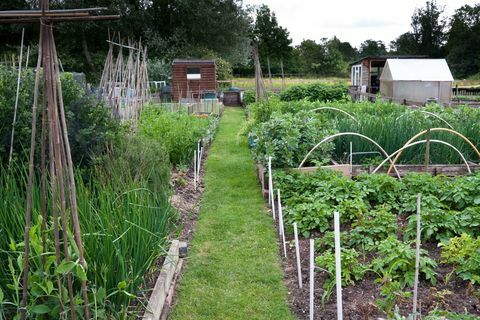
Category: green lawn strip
[233,271]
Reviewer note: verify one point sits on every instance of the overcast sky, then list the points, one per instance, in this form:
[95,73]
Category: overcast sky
[352,21]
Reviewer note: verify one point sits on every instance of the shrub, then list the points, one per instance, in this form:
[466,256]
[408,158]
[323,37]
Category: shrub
[90,126]
[315,92]
[288,138]
[178,132]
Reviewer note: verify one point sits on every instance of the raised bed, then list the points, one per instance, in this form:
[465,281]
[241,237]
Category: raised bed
[449,170]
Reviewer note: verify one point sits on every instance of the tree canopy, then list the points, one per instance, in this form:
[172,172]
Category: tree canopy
[225,29]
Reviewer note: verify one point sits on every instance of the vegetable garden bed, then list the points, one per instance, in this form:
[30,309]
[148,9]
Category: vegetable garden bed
[378,220]
[377,231]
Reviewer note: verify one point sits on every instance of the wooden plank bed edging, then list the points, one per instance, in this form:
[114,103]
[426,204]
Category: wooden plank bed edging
[162,285]
[450,170]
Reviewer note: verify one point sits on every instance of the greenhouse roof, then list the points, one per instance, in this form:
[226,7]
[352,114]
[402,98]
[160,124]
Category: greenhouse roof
[416,70]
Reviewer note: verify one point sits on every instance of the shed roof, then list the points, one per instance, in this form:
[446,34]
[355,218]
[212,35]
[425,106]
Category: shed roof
[193,61]
[416,70]
[385,57]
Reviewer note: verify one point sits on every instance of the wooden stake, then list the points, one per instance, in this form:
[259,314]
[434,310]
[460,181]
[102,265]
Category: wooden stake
[351,159]
[297,254]
[417,258]
[427,150]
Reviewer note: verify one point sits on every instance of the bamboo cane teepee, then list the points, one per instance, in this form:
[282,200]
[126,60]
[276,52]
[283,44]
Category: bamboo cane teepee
[124,84]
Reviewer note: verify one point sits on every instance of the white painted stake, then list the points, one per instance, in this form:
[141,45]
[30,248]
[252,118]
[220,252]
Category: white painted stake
[297,253]
[199,159]
[270,186]
[16,99]
[312,276]
[280,218]
[338,265]
[195,169]
[417,258]
[279,210]
[269,168]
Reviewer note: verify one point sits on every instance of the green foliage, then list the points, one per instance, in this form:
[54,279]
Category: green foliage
[372,48]
[325,58]
[178,132]
[436,223]
[396,261]
[312,198]
[288,138]
[380,188]
[90,126]
[390,125]
[464,41]
[47,286]
[441,315]
[158,70]
[272,40]
[118,211]
[352,270]
[463,253]
[392,293]
[463,192]
[322,92]
[311,215]
[372,228]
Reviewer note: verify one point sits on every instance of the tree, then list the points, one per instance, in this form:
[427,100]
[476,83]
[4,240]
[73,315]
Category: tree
[428,33]
[372,48]
[348,52]
[170,28]
[464,41]
[405,44]
[273,41]
[323,59]
[428,29]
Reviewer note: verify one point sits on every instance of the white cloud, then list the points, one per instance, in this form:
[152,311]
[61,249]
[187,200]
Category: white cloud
[349,20]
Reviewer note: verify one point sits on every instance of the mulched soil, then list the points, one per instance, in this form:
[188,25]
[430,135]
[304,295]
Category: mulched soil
[359,299]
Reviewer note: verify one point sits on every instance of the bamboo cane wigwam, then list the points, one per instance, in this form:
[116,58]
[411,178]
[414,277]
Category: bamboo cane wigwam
[59,173]
[124,83]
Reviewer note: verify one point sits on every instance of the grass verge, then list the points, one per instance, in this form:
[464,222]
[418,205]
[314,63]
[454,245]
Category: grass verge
[234,269]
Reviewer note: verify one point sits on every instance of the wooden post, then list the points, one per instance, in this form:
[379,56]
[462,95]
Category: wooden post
[338,264]
[351,159]
[417,258]
[427,150]
[297,254]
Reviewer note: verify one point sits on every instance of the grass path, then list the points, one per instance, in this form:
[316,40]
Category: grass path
[233,271]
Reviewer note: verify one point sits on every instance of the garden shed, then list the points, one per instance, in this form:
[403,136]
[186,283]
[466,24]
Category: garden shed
[365,72]
[193,79]
[416,81]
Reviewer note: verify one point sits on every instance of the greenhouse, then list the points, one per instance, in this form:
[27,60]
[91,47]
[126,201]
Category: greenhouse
[416,81]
